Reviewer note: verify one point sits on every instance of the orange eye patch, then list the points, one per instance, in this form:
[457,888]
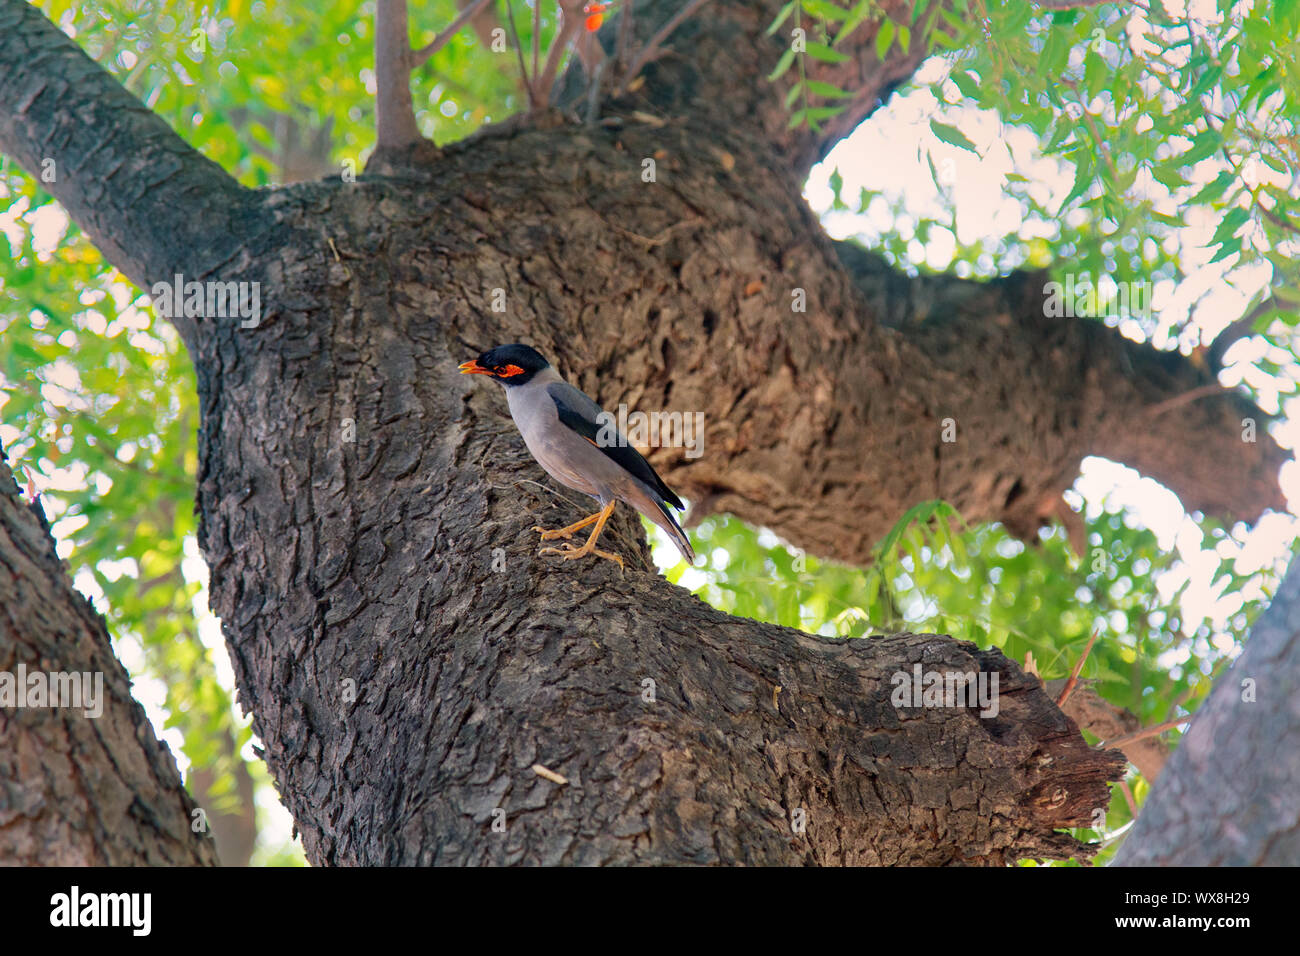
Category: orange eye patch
[510,370]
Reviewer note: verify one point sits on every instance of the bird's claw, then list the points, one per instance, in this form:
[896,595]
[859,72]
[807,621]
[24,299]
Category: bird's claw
[552,535]
[569,552]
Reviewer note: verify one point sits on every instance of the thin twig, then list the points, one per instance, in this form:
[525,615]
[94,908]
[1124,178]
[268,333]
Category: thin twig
[1191,395]
[1078,668]
[439,41]
[1128,797]
[537,31]
[1144,732]
[593,92]
[624,36]
[1069,4]
[1092,126]
[662,237]
[519,54]
[665,31]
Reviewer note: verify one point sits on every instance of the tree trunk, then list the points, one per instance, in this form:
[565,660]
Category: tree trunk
[84,784]
[365,511]
[1228,795]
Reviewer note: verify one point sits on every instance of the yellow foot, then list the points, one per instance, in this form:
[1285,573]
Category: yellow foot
[569,552]
[566,532]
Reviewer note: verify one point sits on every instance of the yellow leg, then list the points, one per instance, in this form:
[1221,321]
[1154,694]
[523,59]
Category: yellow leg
[566,532]
[569,552]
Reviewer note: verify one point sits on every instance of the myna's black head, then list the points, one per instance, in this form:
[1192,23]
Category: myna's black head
[508,364]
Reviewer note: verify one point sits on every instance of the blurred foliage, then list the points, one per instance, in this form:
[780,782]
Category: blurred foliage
[1163,115]
[99,408]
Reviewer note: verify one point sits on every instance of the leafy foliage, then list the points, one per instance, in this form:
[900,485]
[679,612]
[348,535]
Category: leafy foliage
[1160,121]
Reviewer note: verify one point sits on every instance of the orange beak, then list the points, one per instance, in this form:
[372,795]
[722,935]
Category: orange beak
[473,368]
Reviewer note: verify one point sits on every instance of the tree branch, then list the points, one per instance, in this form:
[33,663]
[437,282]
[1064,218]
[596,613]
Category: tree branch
[685,736]
[571,21]
[1240,328]
[1227,797]
[1105,721]
[80,788]
[652,46]
[438,42]
[525,80]
[537,35]
[1087,390]
[395,127]
[118,169]
[721,63]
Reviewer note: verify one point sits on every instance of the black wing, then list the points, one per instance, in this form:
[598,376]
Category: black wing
[579,412]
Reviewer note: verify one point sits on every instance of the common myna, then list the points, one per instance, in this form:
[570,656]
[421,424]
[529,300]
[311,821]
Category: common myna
[575,442]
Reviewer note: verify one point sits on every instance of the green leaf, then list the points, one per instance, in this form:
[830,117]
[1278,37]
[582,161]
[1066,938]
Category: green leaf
[1230,224]
[782,65]
[855,19]
[781,17]
[967,83]
[1168,176]
[952,136]
[1205,144]
[824,10]
[1214,189]
[884,38]
[836,182]
[1228,248]
[1083,179]
[830,90]
[820,51]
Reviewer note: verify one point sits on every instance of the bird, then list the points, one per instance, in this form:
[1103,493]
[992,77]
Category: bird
[571,437]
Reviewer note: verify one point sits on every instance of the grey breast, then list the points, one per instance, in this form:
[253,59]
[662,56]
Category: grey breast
[567,457]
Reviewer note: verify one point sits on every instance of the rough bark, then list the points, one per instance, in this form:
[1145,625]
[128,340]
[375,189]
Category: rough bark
[76,790]
[410,659]
[1031,395]
[823,425]
[1107,722]
[1228,795]
[365,511]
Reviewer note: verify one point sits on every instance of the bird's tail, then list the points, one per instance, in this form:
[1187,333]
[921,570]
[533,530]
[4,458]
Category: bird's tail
[675,532]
